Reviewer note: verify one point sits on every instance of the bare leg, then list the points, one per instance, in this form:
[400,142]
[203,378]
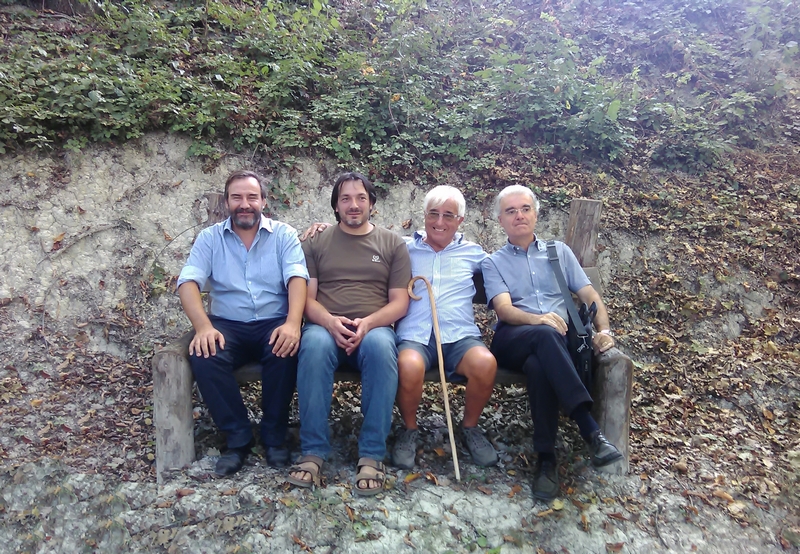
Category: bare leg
[411,374]
[479,367]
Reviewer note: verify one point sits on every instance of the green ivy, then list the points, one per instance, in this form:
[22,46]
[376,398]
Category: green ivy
[400,86]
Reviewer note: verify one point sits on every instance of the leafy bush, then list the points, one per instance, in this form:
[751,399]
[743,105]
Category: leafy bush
[404,85]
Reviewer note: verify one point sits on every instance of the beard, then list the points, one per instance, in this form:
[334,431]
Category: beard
[245,219]
[355,219]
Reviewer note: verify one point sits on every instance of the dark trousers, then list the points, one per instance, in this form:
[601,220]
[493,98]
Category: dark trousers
[246,342]
[541,353]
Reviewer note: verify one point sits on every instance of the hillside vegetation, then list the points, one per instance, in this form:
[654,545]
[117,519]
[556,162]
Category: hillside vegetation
[681,115]
[404,86]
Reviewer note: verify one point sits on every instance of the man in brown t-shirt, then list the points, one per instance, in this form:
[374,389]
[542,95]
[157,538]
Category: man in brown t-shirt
[359,274]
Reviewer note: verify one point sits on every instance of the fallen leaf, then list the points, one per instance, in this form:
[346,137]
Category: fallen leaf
[301,544]
[439,452]
[558,504]
[617,515]
[485,490]
[411,477]
[514,490]
[431,477]
[36,402]
[351,515]
[184,492]
[737,508]
[229,492]
[545,513]
[584,523]
[614,547]
[723,495]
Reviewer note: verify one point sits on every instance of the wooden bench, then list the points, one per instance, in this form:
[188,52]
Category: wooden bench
[173,380]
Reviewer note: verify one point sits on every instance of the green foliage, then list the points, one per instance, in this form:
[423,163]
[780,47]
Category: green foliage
[407,85]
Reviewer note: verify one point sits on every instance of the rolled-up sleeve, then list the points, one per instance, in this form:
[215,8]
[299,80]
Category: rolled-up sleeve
[198,266]
[292,257]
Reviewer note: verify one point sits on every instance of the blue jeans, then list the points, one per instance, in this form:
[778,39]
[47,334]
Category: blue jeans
[376,359]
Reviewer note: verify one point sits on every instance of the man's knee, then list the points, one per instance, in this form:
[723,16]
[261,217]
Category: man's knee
[410,368]
[315,336]
[478,365]
[380,337]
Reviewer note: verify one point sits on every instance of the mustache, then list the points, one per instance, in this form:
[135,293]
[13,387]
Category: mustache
[245,211]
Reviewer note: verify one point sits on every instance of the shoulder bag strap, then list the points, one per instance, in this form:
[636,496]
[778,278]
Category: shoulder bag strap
[552,256]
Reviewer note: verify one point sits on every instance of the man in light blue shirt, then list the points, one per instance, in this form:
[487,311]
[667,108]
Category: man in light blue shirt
[449,262]
[255,270]
[531,334]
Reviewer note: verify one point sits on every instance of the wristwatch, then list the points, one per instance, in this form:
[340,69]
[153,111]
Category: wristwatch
[608,332]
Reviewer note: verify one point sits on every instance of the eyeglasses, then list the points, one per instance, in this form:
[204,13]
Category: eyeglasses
[514,211]
[434,216]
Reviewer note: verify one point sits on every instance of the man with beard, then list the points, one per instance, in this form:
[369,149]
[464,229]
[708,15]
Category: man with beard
[359,274]
[257,278]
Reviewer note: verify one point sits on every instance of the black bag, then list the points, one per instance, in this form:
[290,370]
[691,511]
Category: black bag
[579,326]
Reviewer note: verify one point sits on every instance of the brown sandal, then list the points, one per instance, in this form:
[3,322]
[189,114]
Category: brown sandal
[314,473]
[380,477]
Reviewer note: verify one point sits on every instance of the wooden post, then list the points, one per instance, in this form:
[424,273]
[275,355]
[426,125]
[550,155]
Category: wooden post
[172,406]
[582,228]
[217,209]
[613,382]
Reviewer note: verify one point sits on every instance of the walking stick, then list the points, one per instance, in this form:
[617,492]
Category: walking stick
[441,364]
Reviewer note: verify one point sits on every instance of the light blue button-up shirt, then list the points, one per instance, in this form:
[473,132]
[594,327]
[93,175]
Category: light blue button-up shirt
[450,274]
[246,285]
[528,277]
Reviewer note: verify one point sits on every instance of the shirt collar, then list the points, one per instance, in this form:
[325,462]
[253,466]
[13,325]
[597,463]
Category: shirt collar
[537,243]
[419,237]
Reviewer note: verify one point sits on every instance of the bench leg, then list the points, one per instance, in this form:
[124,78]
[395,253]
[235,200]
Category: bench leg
[613,382]
[172,410]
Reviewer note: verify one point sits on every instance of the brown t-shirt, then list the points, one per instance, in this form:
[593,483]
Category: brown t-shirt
[355,272]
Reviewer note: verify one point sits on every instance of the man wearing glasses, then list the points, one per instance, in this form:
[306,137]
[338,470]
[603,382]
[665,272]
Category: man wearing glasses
[531,334]
[449,263]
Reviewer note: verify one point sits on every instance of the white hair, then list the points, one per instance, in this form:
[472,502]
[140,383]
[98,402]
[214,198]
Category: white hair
[515,189]
[440,194]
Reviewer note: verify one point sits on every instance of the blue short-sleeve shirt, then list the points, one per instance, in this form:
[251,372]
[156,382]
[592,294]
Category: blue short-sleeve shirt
[528,277]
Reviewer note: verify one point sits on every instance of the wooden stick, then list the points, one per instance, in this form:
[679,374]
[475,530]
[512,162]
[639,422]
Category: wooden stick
[441,365]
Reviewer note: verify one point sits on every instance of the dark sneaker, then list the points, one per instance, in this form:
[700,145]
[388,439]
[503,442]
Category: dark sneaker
[405,448]
[601,451]
[232,460]
[479,447]
[545,481]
